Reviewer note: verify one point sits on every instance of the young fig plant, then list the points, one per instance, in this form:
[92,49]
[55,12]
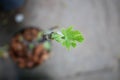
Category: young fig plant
[30,47]
[68,37]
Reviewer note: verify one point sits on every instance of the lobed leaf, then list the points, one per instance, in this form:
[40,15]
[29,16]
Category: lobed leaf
[69,38]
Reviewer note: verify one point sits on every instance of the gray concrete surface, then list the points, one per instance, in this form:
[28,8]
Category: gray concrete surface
[97,57]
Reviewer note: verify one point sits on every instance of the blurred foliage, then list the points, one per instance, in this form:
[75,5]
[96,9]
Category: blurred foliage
[68,37]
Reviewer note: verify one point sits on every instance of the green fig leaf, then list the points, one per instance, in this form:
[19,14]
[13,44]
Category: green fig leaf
[69,37]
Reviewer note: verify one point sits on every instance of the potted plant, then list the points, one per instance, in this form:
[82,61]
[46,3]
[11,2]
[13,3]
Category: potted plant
[31,46]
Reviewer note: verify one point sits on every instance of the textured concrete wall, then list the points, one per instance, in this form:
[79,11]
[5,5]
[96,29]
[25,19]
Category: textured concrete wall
[98,20]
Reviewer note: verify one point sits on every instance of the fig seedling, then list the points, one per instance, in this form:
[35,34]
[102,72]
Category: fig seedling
[68,37]
[30,47]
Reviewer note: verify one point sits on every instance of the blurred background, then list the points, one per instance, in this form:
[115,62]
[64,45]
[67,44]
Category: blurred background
[98,58]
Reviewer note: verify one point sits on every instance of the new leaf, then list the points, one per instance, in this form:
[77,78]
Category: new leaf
[69,38]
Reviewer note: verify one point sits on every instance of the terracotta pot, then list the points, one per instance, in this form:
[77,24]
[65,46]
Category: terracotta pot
[27,48]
